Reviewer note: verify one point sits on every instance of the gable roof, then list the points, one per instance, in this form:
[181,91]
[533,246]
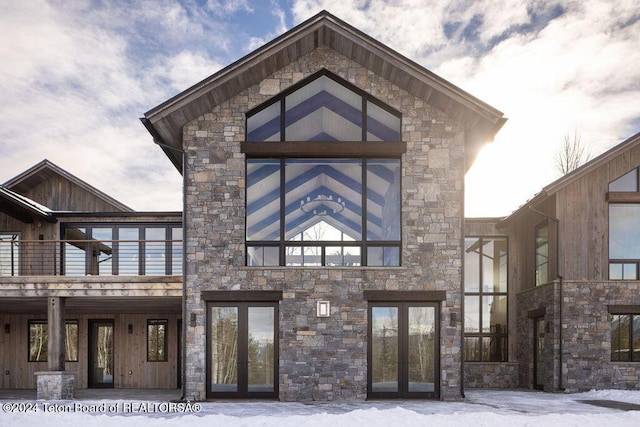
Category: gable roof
[23,208]
[40,172]
[165,122]
[576,174]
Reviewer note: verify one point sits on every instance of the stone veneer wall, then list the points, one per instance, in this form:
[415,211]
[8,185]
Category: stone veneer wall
[541,297]
[491,374]
[55,385]
[324,359]
[587,336]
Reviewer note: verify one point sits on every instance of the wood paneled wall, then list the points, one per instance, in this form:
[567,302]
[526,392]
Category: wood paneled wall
[130,352]
[584,217]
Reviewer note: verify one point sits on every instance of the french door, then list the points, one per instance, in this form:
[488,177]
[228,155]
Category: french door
[403,351]
[242,356]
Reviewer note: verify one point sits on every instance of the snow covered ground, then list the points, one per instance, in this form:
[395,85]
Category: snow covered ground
[481,408]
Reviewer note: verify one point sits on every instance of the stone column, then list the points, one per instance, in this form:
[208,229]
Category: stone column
[56,333]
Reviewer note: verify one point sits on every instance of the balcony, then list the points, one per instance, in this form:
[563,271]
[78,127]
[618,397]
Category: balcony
[90,257]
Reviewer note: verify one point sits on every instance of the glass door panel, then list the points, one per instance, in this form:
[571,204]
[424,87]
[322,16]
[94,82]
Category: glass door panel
[224,349]
[422,331]
[384,349]
[101,353]
[403,350]
[243,350]
[261,332]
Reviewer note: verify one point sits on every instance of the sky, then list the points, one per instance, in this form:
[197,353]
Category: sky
[505,408]
[76,76]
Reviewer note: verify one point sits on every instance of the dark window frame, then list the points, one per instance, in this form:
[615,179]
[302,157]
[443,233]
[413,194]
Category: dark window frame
[46,324]
[242,301]
[502,337]
[156,356]
[633,355]
[280,98]
[362,150]
[141,247]
[538,281]
[396,300]
[364,244]
[624,199]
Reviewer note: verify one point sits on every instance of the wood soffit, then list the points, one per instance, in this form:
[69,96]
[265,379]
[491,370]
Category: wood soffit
[165,121]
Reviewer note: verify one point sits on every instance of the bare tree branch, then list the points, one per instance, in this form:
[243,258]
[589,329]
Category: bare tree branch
[570,154]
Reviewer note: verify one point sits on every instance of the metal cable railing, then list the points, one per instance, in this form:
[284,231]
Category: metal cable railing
[90,257]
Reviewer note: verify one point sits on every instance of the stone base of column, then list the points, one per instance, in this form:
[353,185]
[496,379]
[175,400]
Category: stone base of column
[55,385]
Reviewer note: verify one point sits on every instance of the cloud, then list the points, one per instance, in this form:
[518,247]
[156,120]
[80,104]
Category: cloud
[75,77]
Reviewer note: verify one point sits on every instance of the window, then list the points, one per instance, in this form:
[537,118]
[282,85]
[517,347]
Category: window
[157,340]
[625,337]
[626,183]
[485,299]
[38,341]
[9,254]
[624,232]
[323,107]
[319,211]
[542,254]
[122,249]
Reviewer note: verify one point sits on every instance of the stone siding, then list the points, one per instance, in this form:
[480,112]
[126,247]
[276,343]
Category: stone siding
[545,298]
[324,358]
[491,375]
[586,336]
[55,385]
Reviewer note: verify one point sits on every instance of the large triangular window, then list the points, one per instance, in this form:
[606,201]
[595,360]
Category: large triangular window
[335,201]
[323,108]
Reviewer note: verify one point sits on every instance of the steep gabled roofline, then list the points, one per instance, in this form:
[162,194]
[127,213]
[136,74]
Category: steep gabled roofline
[25,179]
[165,122]
[573,176]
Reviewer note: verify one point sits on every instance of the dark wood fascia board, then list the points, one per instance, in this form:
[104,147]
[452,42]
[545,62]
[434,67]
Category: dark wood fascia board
[622,197]
[411,296]
[623,309]
[235,296]
[323,149]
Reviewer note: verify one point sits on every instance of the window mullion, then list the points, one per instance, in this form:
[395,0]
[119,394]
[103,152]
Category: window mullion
[283,193]
[363,190]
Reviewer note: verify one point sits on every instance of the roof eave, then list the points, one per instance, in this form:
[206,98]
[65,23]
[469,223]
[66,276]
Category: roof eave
[165,121]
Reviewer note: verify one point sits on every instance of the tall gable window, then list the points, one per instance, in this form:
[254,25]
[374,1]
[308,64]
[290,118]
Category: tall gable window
[624,227]
[327,191]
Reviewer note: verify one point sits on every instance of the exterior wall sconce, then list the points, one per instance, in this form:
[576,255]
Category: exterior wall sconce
[7,328]
[453,320]
[323,309]
[192,319]
[130,328]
